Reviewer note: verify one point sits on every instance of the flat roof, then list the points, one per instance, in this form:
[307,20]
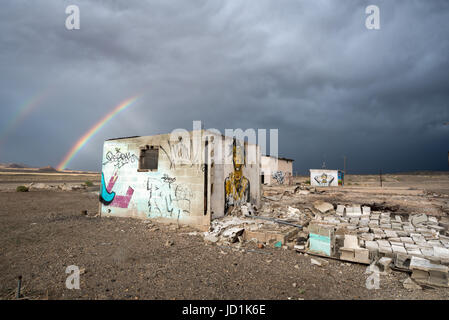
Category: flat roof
[279,158]
[123,138]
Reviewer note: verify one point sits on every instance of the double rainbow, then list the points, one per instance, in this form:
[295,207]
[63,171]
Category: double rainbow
[22,112]
[100,124]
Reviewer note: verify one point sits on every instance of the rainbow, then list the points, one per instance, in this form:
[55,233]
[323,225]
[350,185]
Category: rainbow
[100,124]
[22,112]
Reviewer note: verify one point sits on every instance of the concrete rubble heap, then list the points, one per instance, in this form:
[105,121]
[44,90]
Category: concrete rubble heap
[417,242]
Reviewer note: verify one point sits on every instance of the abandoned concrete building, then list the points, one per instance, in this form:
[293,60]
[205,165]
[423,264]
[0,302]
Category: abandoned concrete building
[326,178]
[276,170]
[184,177]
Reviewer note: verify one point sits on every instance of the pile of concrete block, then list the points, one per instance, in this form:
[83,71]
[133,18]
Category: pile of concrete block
[383,234]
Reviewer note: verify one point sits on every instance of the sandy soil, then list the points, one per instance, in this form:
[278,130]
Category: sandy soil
[43,232]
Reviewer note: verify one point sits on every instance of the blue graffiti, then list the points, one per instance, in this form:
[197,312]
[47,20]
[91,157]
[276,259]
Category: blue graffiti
[105,196]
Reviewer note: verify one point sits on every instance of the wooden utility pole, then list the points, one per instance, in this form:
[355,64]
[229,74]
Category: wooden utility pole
[447,124]
[380,176]
[344,169]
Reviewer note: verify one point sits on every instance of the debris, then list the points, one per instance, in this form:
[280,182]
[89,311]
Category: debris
[418,219]
[319,262]
[366,210]
[341,210]
[278,244]
[260,245]
[411,285]
[233,233]
[322,206]
[353,212]
[293,212]
[426,272]
[19,285]
[384,264]
[276,220]
[169,243]
[210,238]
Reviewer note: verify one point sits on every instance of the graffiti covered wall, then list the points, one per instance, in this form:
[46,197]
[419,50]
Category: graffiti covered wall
[237,181]
[173,191]
[277,170]
[189,185]
[323,177]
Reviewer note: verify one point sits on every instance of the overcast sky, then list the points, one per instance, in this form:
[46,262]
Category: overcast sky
[308,68]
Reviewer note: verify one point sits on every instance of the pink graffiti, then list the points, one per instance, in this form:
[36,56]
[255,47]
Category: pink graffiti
[119,201]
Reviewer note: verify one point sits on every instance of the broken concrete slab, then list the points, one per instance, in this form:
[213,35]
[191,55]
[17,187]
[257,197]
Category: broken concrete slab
[386,251]
[425,265]
[354,212]
[319,262]
[417,219]
[390,233]
[402,260]
[341,210]
[366,210]
[407,240]
[210,238]
[398,249]
[322,206]
[362,255]
[383,243]
[409,284]
[384,264]
[321,239]
[351,241]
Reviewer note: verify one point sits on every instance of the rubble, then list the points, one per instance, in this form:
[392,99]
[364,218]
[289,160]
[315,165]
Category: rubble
[411,285]
[384,264]
[319,262]
[56,187]
[322,206]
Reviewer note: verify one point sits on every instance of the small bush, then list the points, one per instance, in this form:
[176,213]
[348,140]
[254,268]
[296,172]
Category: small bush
[22,189]
[307,181]
[89,183]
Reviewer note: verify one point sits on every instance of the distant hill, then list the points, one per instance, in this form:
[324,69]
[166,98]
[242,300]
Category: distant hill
[16,166]
[47,169]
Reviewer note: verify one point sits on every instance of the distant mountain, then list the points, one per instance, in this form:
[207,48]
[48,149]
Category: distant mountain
[47,169]
[16,166]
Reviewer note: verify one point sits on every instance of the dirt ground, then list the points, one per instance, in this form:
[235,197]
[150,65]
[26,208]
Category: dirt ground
[43,232]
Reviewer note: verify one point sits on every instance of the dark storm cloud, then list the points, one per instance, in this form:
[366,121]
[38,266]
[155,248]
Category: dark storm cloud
[309,68]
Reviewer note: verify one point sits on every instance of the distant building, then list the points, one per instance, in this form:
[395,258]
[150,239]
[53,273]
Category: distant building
[276,170]
[189,177]
[326,177]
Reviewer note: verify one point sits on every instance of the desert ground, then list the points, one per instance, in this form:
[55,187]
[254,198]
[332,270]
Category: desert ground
[44,231]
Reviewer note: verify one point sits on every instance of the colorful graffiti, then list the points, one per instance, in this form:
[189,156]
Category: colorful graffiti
[166,198]
[279,176]
[237,187]
[107,197]
[324,179]
[119,159]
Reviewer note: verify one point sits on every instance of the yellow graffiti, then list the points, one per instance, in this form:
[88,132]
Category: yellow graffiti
[237,188]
